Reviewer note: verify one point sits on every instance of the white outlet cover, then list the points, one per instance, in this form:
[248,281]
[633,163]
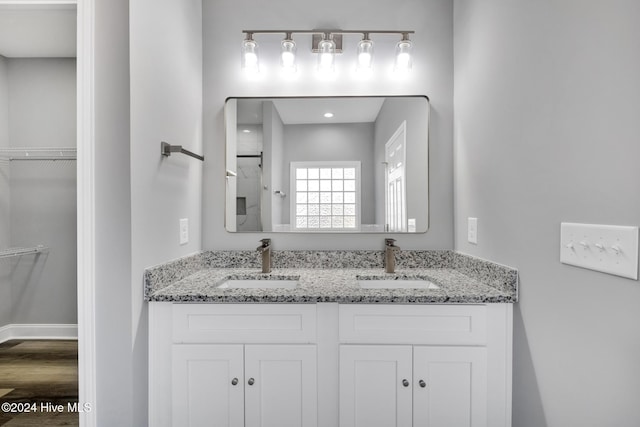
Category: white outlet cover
[184,231]
[472,230]
[611,249]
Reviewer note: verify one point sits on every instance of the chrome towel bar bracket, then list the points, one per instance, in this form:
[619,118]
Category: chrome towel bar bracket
[166,149]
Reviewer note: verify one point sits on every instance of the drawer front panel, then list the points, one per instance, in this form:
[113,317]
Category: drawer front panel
[244,323]
[414,324]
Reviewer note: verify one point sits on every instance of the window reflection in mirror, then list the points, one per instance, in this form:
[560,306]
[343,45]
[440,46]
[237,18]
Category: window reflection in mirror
[319,164]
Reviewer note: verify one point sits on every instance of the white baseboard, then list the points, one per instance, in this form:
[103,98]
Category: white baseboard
[33,332]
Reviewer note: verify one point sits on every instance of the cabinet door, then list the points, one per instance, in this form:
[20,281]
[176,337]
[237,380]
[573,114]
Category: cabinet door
[375,386]
[450,388]
[208,385]
[281,386]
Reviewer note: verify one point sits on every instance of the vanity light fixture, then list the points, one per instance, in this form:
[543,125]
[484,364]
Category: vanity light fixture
[327,43]
[288,54]
[326,54]
[403,54]
[250,54]
[365,54]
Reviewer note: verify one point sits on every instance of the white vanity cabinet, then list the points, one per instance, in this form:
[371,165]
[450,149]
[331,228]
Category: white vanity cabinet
[425,365]
[329,364]
[228,365]
[251,385]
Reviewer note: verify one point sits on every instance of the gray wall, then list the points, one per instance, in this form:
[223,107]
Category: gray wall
[546,130]
[419,172]
[42,113]
[432,75]
[166,105]
[331,142]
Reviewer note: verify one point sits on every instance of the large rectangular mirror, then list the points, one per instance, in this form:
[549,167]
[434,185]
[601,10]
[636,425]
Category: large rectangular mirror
[320,164]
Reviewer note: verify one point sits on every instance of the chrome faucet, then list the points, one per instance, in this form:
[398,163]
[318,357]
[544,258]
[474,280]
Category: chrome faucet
[265,250]
[390,255]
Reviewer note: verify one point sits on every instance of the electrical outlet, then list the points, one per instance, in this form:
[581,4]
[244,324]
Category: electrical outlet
[472,230]
[610,249]
[184,231]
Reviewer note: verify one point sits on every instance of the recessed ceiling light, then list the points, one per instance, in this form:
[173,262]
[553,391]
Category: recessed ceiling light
[246,131]
[328,115]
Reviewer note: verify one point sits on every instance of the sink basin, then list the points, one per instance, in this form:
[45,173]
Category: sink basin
[259,284]
[397,284]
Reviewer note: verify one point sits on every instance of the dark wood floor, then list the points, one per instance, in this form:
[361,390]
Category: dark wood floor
[39,372]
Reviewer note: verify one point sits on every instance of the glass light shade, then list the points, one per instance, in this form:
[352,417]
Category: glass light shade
[250,55]
[365,55]
[326,55]
[403,56]
[288,56]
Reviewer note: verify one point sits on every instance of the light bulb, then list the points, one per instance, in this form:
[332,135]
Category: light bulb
[288,56]
[403,56]
[250,55]
[327,50]
[365,54]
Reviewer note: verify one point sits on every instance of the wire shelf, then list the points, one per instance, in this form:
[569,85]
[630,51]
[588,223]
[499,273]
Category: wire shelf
[38,153]
[18,251]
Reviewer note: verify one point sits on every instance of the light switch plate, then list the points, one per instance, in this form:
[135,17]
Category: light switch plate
[472,230]
[611,249]
[184,231]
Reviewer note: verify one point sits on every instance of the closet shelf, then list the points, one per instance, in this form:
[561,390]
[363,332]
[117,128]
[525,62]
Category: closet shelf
[17,251]
[38,153]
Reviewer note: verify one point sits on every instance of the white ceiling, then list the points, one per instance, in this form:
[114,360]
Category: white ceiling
[37,31]
[345,110]
[311,110]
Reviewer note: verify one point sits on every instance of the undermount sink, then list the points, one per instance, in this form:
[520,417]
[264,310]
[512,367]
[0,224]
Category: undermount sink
[396,284]
[259,284]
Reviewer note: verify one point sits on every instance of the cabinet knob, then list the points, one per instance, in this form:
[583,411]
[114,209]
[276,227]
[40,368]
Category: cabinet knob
[405,383]
[234,381]
[422,383]
[251,381]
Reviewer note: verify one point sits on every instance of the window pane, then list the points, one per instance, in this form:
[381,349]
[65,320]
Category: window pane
[336,173]
[301,173]
[325,222]
[314,185]
[349,222]
[349,197]
[314,222]
[301,197]
[325,197]
[325,173]
[337,198]
[314,209]
[349,173]
[349,209]
[314,173]
[325,185]
[337,222]
[349,185]
[301,209]
[301,185]
[337,210]
[314,197]
[336,185]
[325,210]
[301,221]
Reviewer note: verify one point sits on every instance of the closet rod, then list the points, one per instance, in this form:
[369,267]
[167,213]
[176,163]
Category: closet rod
[11,252]
[38,153]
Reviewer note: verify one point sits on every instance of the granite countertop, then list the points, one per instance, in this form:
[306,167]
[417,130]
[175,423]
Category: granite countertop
[460,278]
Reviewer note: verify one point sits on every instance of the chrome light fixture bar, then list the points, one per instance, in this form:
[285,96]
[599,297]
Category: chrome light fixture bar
[327,43]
